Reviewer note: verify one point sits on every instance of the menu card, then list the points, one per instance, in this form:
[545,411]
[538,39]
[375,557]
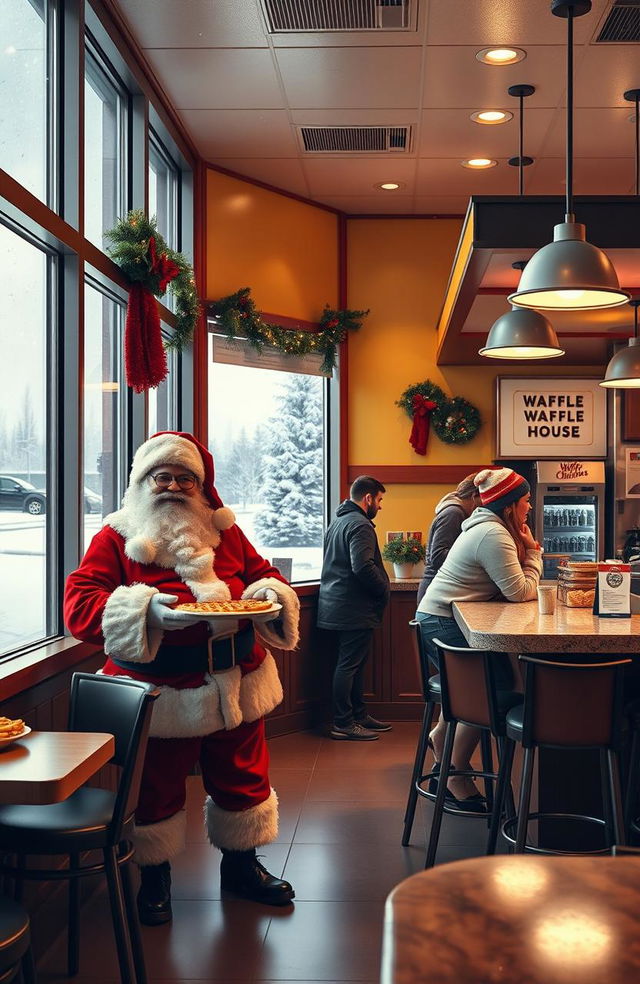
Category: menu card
[613,590]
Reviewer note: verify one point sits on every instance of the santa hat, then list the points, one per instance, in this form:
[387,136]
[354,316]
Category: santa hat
[499,487]
[176,448]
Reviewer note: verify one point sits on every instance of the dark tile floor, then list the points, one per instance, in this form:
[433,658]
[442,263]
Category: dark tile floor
[341,812]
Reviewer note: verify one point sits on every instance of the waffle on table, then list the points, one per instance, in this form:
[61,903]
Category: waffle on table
[241,606]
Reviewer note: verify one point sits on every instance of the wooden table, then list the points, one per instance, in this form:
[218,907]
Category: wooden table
[516,920]
[519,628]
[47,766]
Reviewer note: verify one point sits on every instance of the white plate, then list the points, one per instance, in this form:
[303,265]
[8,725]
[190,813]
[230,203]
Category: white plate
[8,741]
[265,615]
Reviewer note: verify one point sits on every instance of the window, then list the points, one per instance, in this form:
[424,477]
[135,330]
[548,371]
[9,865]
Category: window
[28,591]
[162,402]
[104,409]
[25,88]
[105,159]
[267,435]
[164,191]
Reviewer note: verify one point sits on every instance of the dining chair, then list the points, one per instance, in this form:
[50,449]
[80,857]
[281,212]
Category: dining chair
[92,819]
[15,943]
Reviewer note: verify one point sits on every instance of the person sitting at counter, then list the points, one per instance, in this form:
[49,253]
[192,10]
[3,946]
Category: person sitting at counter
[495,556]
[450,513]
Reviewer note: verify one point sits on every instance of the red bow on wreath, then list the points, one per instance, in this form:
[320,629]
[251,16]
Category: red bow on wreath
[144,355]
[422,410]
[161,265]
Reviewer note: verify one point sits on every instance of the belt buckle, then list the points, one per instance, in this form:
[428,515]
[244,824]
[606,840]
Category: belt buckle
[210,659]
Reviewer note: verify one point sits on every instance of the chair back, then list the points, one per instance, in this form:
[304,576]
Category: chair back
[572,704]
[468,687]
[120,707]
[422,658]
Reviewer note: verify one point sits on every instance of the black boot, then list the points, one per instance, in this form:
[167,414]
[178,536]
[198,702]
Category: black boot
[242,874]
[154,897]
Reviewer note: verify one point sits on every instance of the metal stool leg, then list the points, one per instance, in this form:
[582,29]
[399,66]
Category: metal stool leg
[73,928]
[613,774]
[631,797]
[418,766]
[504,780]
[118,916]
[27,968]
[606,799]
[438,806]
[134,924]
[525,800]
[487,766]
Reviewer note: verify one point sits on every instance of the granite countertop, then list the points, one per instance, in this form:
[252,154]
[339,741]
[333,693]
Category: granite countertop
[519,627]
[404,583]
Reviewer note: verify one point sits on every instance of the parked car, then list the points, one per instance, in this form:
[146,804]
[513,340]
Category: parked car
[15,493]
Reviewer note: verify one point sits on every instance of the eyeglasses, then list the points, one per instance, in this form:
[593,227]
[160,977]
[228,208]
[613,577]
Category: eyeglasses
[163,480]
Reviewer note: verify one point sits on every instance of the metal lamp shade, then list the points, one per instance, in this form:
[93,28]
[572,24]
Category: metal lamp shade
[569,274]
[522,334]
[623,371]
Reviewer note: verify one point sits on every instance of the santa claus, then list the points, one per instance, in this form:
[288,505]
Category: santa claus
[173,542]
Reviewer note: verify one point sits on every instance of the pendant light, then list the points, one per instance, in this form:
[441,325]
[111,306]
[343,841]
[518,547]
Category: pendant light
[521,333]
[623,371]
[569,274]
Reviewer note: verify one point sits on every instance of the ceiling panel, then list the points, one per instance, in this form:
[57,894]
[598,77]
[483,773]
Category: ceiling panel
[196,78]
[358,176]
[593,129]
[385,204]
[241,132]
[494,22]
[604,72]
[355,117]
[355,78]
[446,176]
[286,174]
[591,176]
[441,204]
[194,23]
[453,129]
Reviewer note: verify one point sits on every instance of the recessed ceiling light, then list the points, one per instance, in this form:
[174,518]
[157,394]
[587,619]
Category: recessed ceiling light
[388,186]
[501,56]
[479,163]
[492,116]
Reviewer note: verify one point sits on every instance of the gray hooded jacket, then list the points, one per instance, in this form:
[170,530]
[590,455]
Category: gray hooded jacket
[482,565]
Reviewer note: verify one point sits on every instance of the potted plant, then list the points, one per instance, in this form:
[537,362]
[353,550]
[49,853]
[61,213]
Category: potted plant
[403,554]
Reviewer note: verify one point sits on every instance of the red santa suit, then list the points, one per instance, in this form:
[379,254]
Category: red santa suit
[202,714]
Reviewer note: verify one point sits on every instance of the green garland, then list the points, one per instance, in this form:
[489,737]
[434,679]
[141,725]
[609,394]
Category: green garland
[238,317]
[455,421]
[130,249]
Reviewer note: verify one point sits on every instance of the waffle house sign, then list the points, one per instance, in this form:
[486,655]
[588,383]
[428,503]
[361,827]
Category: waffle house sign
[542,417]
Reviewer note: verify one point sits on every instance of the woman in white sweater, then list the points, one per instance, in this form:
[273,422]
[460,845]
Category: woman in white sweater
[495,557]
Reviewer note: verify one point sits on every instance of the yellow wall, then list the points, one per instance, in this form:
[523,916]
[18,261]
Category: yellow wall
[399,268]
[285,250]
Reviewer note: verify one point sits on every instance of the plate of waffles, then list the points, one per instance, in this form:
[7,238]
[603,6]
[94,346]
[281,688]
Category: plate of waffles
[238,608]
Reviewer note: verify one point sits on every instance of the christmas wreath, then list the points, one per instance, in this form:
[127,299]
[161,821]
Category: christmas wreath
[151,266]
[455,420]
[238,317]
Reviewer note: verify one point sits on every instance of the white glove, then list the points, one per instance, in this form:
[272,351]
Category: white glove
[160,616]
[265,594]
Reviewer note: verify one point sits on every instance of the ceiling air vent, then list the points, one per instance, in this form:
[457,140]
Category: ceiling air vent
[355,139]
[622,23]
[343,15]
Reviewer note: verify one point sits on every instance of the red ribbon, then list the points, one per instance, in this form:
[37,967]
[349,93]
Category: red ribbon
[422,410]
[162,266]
[145,359]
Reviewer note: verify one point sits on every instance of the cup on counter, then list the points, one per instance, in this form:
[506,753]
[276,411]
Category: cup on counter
[546,599]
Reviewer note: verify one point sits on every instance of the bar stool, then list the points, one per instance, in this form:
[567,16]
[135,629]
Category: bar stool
[569,706]
[16,956]
[469,696]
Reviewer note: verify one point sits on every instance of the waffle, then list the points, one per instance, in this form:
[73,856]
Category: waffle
[10,727]
[238,607]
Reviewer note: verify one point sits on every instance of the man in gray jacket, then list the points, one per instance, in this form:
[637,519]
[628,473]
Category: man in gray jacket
[354,591]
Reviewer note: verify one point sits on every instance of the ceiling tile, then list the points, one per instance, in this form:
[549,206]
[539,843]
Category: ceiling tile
[331,176]
[217,78]
[355,117]
[454,77]
[194,23]
[593,129]
[604,72]
[370,205]
[454,130]
[591,176]
[497,22]
[359,78]
[441,204]
[285,174]
[241,132]
[446,176]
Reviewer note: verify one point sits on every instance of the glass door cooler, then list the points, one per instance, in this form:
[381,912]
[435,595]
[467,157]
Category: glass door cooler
[569,511]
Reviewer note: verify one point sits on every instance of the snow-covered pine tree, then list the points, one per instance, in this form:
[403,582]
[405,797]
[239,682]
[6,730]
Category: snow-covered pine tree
[292,489]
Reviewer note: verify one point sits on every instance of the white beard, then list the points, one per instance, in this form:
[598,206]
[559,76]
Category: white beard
[175,531]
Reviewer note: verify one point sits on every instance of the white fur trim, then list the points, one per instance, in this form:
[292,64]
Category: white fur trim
[140,549]
[223,518]
[260,691]
[209,590]
[290,616]
[199,711]
[166,449]
[124,624]
[242,830]
[158,842]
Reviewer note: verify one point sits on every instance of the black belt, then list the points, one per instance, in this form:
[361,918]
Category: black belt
[212,656]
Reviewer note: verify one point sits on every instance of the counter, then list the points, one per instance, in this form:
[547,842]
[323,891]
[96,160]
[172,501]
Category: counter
[404,584]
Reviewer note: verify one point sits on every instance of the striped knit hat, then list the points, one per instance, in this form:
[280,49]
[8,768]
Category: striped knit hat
[499,487]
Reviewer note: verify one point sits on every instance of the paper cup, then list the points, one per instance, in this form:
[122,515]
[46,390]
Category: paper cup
[546,599]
